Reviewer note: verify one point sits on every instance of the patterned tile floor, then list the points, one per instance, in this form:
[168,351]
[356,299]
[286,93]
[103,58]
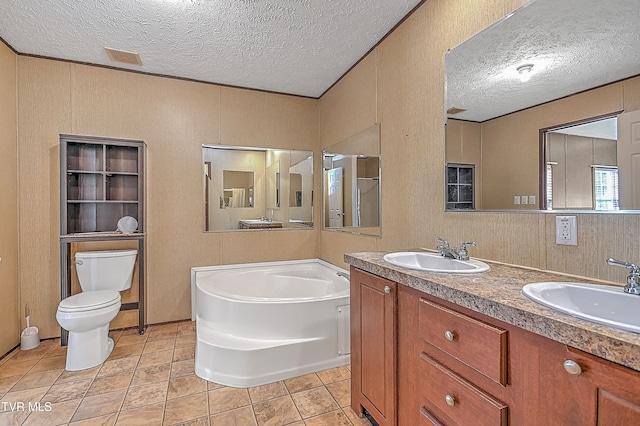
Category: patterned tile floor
[150,380]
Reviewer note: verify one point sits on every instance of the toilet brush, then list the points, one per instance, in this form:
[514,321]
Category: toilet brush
[30,336]
[28,318]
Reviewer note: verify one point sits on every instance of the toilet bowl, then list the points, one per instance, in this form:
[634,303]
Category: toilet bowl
[86,315]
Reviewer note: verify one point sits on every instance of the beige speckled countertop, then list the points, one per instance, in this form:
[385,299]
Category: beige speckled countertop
[497,293]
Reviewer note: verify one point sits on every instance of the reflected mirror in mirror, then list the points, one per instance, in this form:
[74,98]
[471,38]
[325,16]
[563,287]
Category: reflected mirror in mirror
[518,93]
[295,190]
[237,189]
[243,188]
[273,186]
[301,189]
[351,184]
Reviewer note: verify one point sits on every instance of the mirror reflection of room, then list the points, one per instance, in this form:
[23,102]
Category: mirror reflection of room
[244,188]
[237,189]
[301,189]
[512,103]
[352,184]
[581,168]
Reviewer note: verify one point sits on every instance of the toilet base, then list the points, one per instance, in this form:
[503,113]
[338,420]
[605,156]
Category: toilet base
[87,349]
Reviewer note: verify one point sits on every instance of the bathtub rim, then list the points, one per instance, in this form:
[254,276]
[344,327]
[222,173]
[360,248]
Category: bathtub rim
[196,269]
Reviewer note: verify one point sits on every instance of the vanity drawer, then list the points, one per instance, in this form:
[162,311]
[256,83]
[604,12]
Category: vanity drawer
[428,419]
[458,399]
[481,346]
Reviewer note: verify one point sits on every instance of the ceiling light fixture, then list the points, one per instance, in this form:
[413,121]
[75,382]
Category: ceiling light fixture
[525,72]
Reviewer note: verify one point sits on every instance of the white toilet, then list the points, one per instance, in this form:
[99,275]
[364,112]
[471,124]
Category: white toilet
[86,316]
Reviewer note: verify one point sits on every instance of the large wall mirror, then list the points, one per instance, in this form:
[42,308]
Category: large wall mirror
[245,188]
[541,110]
[351,184]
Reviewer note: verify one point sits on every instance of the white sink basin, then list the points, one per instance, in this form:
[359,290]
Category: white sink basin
[431,262]
[607,305]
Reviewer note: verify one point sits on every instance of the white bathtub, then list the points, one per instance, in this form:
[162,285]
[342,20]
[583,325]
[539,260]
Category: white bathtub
[258,323]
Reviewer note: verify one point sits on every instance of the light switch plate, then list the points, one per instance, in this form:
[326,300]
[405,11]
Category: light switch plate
[566,230]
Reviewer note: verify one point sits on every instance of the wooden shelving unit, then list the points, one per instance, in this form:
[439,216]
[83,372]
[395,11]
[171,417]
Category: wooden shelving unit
[101,180]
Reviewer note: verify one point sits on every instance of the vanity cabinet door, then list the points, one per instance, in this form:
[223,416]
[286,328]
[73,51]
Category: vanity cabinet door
[614,390]
[373,335]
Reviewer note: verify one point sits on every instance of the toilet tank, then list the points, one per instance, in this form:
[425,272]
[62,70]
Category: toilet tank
[105,270]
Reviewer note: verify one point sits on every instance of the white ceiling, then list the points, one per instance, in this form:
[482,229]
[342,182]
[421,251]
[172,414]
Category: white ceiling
[574,45]
[299,47]
[602,129]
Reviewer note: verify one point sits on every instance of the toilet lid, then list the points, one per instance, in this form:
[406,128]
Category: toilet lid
[89,300]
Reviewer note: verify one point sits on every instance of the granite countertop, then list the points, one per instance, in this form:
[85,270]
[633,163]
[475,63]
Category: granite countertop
[497,294]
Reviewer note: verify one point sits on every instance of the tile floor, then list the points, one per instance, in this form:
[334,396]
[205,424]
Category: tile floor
[149,380]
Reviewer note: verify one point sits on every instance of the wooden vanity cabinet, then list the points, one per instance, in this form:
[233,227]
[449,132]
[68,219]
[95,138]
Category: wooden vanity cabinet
[373,346]
[590,390]
[449,338]
[484,372]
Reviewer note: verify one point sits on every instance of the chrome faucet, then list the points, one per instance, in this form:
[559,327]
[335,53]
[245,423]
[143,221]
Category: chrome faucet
[463,254]
[446,250]
[633,280]
[343,275]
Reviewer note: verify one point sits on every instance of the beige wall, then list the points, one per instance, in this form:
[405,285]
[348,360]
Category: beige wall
[400,84]
[9,287]
[174,118]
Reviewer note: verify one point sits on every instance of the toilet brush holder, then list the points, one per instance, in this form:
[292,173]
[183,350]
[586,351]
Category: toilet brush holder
[30,338]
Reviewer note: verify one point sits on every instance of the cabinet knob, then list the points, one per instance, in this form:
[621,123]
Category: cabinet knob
[387,289]
[572,367]
[451,401]
[449,335]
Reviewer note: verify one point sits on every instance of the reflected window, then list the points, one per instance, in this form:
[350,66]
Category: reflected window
[605,188]
[460,194]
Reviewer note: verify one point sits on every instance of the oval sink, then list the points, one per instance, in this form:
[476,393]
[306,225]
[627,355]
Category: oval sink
[602,304]
[431,262]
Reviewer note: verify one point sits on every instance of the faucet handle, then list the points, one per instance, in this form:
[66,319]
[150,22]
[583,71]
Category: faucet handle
[635,270]
[633,280]
[444,242]
[444,246]
[463,253]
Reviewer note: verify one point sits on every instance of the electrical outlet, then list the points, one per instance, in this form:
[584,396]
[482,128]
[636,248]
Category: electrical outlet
[516,199]
[566,230]
[524,199]
[532,199]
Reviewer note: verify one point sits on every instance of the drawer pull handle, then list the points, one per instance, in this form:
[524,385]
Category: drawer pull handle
[449,335]
[387,289]
[451,401]
[572,367]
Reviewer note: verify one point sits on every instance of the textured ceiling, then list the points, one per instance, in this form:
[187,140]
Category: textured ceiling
[574,45]
[299,47]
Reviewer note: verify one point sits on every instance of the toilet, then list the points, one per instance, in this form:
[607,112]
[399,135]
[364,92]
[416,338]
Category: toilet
[86,315]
